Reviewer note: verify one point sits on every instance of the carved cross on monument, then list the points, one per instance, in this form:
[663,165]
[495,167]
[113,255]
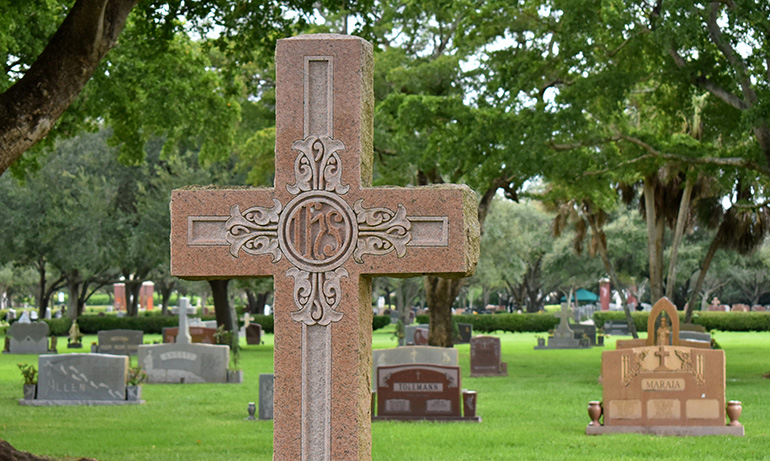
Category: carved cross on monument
[662,353]
[322,232]
[563,331]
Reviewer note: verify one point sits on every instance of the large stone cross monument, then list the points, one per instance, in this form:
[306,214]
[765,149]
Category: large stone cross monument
[322,232]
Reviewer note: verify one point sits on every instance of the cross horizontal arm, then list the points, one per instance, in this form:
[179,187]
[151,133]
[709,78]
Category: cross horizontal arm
[199,242]
[443,231]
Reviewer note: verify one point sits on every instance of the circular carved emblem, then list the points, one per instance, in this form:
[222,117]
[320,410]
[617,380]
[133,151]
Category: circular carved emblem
[317,231]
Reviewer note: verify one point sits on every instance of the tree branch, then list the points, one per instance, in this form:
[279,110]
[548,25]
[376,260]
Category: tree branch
[705,83]
[31,107]
[653,153]
[749,95]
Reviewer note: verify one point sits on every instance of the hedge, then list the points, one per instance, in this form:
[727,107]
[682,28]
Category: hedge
[154,324]
[722,321]
[487,323]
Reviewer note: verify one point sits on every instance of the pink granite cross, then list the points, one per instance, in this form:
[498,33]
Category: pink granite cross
[322,232]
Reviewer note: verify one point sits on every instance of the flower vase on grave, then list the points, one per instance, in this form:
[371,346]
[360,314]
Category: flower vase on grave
[133,393]
[235,376]
[595,412]
[29,391]
[734,410]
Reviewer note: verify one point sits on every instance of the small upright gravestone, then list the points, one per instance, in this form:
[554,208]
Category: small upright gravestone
[120,342]
[266,396]
[409,332]
[421,336]
[28,338]
[663,385]
[485,357]
[322,232]
[464,333]
[198,334]
[254,334]
[184,361]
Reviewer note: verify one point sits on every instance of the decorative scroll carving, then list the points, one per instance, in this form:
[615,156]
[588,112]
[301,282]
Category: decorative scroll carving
[381,231]
[631,365]
[318,166]
[317,295]
[255,231]
[693,364]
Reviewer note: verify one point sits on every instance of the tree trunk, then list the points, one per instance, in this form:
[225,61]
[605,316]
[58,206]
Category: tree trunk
[604,254]
[681,219]
[262,302]
[31,107]
[654,240]
[224,313]
[440,293]
[132,297]
[715,244]
[73,287]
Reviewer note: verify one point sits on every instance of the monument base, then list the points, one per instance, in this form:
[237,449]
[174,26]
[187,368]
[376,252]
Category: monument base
[488,375]
[69,403]
[438,419]
[678,431]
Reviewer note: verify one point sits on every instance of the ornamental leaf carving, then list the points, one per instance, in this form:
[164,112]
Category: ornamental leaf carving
[317,295]
[318,166]
[255,231]
[381,231]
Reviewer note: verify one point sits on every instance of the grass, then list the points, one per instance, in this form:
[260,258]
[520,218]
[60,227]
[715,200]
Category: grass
[537,412]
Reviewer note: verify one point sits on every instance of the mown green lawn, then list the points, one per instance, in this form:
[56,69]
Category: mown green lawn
[537,412]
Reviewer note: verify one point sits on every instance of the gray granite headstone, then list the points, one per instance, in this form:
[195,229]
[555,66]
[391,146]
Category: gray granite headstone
[585,330]
[121,342]
[24,318]
[465,333]
[616,328]
[82,377]
[266,381]
[28,338]
[11,315]
[695,336]
[184,361]
[430,355]
[409,333]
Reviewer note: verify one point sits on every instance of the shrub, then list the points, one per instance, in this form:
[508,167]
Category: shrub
[487,323]
[380,321]
[29,372]
[723,321]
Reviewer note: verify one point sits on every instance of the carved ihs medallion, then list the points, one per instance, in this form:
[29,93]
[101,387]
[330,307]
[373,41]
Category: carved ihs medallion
[317,231]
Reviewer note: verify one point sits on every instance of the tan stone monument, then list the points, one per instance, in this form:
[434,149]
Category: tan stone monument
[322,232]
[663,385]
